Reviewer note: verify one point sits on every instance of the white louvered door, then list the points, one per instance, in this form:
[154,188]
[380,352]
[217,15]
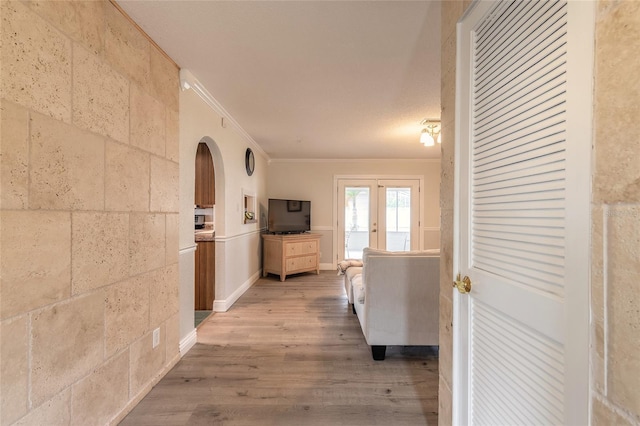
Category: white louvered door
[523,149]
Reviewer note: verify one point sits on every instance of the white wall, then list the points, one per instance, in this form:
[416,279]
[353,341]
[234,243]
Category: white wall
[237,244]
[314,180]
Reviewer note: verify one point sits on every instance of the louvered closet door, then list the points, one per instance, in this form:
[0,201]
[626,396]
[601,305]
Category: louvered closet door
[514,205]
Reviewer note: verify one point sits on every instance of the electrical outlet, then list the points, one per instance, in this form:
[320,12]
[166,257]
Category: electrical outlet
[156,337]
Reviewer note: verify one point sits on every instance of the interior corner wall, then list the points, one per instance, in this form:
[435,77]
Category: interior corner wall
[314,180]
[89,213]
[238,256]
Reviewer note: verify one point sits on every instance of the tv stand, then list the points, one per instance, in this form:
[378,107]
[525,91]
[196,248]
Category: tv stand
[286,254]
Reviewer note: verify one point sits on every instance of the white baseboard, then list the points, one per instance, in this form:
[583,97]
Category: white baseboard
[188,341]
[327,267]
[224,304]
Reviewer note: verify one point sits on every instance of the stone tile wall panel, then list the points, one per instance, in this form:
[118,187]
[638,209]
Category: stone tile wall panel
[100,96]
[87,102]
[146,361]
[59,165]
[67,343]
[164,185]
[36,62]
[35,261]
[89,405]
[83,21]
[127,312]
[14,156]
[146,242]
[14,351]
[56,411]
[148,122]
[100,249]
[126,178]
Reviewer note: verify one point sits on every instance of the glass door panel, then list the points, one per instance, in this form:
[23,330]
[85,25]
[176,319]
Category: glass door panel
[357,204]
[356,219]
[398,219]
[378,214]
[399,212]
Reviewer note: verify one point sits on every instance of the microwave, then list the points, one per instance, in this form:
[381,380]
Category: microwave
[199,221]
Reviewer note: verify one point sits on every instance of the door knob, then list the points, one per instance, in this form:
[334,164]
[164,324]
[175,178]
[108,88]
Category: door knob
[373,230]
[464,285]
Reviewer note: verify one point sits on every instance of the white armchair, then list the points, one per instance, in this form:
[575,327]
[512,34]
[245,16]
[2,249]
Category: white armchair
[397,298]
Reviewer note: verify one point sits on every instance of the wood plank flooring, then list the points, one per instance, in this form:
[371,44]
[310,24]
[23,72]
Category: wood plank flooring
[292,353]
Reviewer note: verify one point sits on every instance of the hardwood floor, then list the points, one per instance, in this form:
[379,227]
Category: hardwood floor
[292,353]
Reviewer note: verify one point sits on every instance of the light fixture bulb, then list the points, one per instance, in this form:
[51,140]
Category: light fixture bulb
[430,132]
[426,139]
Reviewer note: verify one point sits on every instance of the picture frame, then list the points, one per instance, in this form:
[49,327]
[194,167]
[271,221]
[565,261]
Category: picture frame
[294,206]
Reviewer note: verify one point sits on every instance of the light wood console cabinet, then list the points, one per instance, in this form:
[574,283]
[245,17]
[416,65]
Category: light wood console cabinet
[290,254]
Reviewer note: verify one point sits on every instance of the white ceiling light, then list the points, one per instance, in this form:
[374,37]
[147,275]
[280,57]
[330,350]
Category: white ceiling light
[430,132]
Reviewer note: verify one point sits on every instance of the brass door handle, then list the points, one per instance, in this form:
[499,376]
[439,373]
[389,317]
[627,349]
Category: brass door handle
[464,285]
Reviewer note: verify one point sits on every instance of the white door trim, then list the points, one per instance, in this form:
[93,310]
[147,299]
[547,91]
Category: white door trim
[580,88]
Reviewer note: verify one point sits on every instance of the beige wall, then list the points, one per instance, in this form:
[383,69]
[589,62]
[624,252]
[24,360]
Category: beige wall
[238,255]
[89,203]
[198,121]
[314,181]
[615,306]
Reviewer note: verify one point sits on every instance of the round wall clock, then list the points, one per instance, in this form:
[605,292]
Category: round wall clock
[249,161]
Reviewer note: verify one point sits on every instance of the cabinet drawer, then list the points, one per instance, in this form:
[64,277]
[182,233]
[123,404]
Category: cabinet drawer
[299,263]
[303,247]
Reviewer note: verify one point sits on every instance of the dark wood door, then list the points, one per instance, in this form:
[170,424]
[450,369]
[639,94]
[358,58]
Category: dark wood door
[205,195]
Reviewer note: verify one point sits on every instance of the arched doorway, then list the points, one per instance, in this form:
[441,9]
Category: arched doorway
[204,218]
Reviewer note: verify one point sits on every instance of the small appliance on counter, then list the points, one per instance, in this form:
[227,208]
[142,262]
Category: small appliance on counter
[199,220]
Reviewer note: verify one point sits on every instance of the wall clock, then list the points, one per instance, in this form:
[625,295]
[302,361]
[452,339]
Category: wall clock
[249,161]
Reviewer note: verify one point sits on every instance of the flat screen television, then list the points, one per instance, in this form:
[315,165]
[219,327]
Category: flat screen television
[289,216]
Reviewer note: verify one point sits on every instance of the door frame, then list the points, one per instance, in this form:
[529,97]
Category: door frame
[580,27]
[336,203]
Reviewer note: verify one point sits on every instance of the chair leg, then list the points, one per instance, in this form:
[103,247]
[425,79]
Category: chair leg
[378,352]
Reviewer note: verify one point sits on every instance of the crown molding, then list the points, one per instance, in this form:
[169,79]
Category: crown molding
[354,160]
[189,81]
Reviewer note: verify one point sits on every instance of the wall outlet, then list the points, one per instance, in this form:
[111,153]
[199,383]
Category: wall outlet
[156,337]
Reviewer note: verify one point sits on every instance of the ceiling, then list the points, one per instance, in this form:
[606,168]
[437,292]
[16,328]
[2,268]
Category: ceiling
[311,79]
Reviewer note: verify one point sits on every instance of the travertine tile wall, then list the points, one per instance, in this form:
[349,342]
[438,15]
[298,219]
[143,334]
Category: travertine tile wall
[615,304]
[89,223]
[615,356]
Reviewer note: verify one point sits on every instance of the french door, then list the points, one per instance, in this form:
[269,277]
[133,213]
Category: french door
[378,213]
[523,128]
